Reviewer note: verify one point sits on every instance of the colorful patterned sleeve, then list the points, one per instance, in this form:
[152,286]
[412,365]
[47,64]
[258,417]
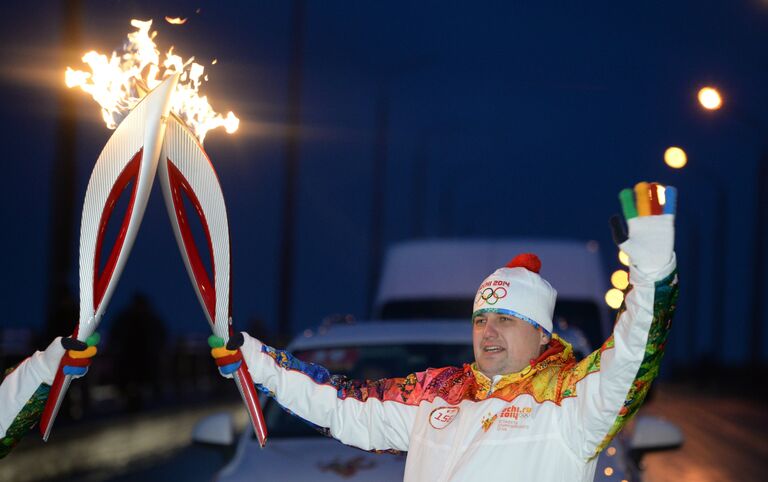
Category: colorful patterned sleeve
[393,389]
[371,415]
[611,384]
[26,419]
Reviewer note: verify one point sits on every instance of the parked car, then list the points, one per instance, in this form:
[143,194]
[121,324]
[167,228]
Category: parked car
[297,452]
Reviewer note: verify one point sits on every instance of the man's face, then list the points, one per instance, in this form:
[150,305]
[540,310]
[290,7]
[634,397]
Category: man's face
[504,344]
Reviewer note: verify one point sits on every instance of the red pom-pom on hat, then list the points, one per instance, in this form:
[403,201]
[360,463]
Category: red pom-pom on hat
[529,261]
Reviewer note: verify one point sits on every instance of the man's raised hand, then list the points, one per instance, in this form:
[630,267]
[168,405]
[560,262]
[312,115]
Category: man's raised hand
[649,211]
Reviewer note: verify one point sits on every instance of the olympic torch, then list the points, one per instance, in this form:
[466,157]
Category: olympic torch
[130,156]
[187,172]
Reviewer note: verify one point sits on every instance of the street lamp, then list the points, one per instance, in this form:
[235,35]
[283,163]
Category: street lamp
[380,154]
[710,98]
[291,176]
[676,158]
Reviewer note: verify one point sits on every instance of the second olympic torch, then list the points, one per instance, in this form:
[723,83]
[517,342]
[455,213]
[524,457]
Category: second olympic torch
[186,172]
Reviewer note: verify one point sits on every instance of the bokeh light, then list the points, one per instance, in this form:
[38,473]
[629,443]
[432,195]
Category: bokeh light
[623,258]
[614,298]
[675,157]
[620,279]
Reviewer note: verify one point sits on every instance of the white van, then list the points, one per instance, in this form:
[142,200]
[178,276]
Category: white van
[437,279]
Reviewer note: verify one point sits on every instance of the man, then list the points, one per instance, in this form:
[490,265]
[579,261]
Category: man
[25,388]
[525,410]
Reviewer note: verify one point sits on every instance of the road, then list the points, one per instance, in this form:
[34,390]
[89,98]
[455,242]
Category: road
[725,442]
[726,438]
[120,447]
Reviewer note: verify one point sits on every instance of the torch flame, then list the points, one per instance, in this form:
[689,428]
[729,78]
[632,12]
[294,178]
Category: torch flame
[116,82]
[176,20]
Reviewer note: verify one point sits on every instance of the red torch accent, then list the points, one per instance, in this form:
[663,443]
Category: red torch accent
[101,280]
[207,289]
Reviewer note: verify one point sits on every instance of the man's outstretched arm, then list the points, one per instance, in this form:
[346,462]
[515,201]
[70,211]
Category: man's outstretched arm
[25,388]
[371,415]
[611,383]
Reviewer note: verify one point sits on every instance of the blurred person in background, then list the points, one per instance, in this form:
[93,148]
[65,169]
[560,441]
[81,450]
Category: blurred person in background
[491,419]
[137,362]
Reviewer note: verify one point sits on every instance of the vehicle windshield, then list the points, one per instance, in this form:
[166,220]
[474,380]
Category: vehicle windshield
[581,315]
[365,363]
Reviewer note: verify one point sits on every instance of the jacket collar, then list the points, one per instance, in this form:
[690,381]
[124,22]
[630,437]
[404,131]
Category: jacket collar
[558,352]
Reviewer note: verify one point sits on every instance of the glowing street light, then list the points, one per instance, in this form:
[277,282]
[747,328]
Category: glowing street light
[710,98]
[675,157]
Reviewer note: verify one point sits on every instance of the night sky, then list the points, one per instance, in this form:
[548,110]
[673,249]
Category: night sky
[506,119]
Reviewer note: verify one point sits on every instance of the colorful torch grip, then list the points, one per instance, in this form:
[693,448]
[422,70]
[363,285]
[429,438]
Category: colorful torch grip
[250,398]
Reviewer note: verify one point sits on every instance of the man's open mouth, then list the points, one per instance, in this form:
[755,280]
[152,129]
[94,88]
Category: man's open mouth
[492,349]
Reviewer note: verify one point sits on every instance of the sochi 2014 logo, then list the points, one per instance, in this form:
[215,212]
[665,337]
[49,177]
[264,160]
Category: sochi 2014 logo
[510,417]
[491,292]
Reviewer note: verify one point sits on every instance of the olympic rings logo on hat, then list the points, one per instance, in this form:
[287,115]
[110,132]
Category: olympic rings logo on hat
[493,295]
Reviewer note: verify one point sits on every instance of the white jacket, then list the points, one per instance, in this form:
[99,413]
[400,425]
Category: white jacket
[545,423]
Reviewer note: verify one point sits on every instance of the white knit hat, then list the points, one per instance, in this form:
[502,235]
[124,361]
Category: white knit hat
[518,290]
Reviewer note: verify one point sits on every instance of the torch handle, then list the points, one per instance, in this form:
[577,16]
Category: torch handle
[55,397]
[250,398]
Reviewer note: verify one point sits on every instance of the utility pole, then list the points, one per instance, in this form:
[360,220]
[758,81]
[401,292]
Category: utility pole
[292,152]
[61,309]
[378,178]
[758,263]
[387,77]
